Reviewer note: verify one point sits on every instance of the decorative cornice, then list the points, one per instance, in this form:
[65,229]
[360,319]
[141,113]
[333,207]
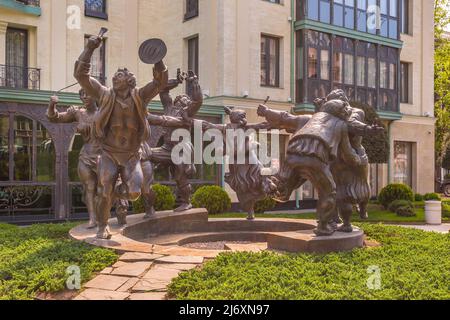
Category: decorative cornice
[3,27]
[67,98]
[18,6]
[349,33]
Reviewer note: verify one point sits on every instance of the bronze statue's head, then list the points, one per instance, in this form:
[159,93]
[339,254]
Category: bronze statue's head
[182,101]
[237,116]
[88,101]
[338,94]
[338,108]
[124,79]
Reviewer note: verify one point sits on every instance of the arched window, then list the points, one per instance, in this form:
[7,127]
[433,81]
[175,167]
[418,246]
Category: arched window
[27,167]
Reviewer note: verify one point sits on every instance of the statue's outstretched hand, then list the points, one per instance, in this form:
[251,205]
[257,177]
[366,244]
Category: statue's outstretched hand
[54,100]
[94,42]
[375,129]
[262,110]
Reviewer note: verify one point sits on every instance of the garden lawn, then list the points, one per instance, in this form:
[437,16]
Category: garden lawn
[376,214]
[414,265]
[35,259]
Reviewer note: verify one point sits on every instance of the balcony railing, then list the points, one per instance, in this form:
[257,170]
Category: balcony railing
[34,3]
[20,77]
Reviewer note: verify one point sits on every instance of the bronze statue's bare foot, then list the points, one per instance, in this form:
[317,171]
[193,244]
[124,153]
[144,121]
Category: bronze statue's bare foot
[323,230]
[103,233]
[183,207]
[345,228]
[364,215]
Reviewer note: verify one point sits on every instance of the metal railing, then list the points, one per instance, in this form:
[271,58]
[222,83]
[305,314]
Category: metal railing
[34,3]
[20,77]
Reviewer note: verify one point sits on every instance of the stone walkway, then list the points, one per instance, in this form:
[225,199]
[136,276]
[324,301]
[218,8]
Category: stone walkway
[443,228]
[138,276]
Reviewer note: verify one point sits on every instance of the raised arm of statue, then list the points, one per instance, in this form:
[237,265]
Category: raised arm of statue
[195,93]
[83,69]
[166,121]
[160,82]
[165,96]
[348,154]
[282,120]
[64,117]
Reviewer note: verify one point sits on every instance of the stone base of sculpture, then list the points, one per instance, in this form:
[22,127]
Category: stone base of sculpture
[172,233]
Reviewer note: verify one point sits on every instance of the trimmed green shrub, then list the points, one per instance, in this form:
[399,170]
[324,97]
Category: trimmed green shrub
[264,205]
[395,205]
[432,197]
[418,197]
[405,212]
[394,192]
[403,208]
[445,209]
[165,200]
[213,198]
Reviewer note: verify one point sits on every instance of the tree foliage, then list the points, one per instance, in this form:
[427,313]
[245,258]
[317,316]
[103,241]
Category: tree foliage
[442,82]
[377,146]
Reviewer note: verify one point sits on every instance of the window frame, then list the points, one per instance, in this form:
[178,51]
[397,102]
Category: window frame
[191,9]
[267,61]
[97,14]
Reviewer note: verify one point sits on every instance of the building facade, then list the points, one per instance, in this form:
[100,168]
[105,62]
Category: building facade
[243,51]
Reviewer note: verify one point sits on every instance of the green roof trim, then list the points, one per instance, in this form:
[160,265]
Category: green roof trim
[69,98]
[384,115]
[18,6]
[344,32]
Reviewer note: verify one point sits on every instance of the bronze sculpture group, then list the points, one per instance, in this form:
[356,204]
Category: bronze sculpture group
[117,162]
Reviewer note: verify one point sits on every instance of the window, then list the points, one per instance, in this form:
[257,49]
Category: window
[28,163]
[367,72]
[270,61]
[403,154]
[98,62]
[405,16]
[356,15]
[95,9]
[404,82]
[191,9]
[193,45]
[16,73]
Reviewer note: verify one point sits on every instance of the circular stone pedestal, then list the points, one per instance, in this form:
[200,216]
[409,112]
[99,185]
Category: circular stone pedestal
[168,233]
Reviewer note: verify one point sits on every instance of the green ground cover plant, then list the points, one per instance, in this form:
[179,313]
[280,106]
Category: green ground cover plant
[413,265]
[34,259]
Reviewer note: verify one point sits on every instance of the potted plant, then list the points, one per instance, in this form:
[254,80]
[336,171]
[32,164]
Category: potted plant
[433,209]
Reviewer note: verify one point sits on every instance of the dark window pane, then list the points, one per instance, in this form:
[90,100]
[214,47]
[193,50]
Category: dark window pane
[338,18]
[325,9]
[349,69]
[405,16]
[404,93]
[4,148]
[361,71]
[193,55]
[393,29]
[337,71]
[45,158]
[349,18]
[23,149]
[270,61]
[74,154]
[325,65]
[313,9]
[313,63]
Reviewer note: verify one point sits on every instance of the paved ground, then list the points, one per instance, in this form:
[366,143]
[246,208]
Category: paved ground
[145,276]
[443,228]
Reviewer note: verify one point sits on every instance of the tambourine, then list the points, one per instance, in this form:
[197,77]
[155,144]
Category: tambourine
[152,51]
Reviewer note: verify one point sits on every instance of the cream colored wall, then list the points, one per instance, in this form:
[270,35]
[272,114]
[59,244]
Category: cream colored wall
[419,50]
[420,131]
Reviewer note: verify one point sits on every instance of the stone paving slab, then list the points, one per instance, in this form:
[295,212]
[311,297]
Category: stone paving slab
[134,269]
[176,266]
[181,259]
[107,270]
[161,274]
[147,285]
[128,285]
[149,296]
[96,294]
[107,282]
[138,256]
